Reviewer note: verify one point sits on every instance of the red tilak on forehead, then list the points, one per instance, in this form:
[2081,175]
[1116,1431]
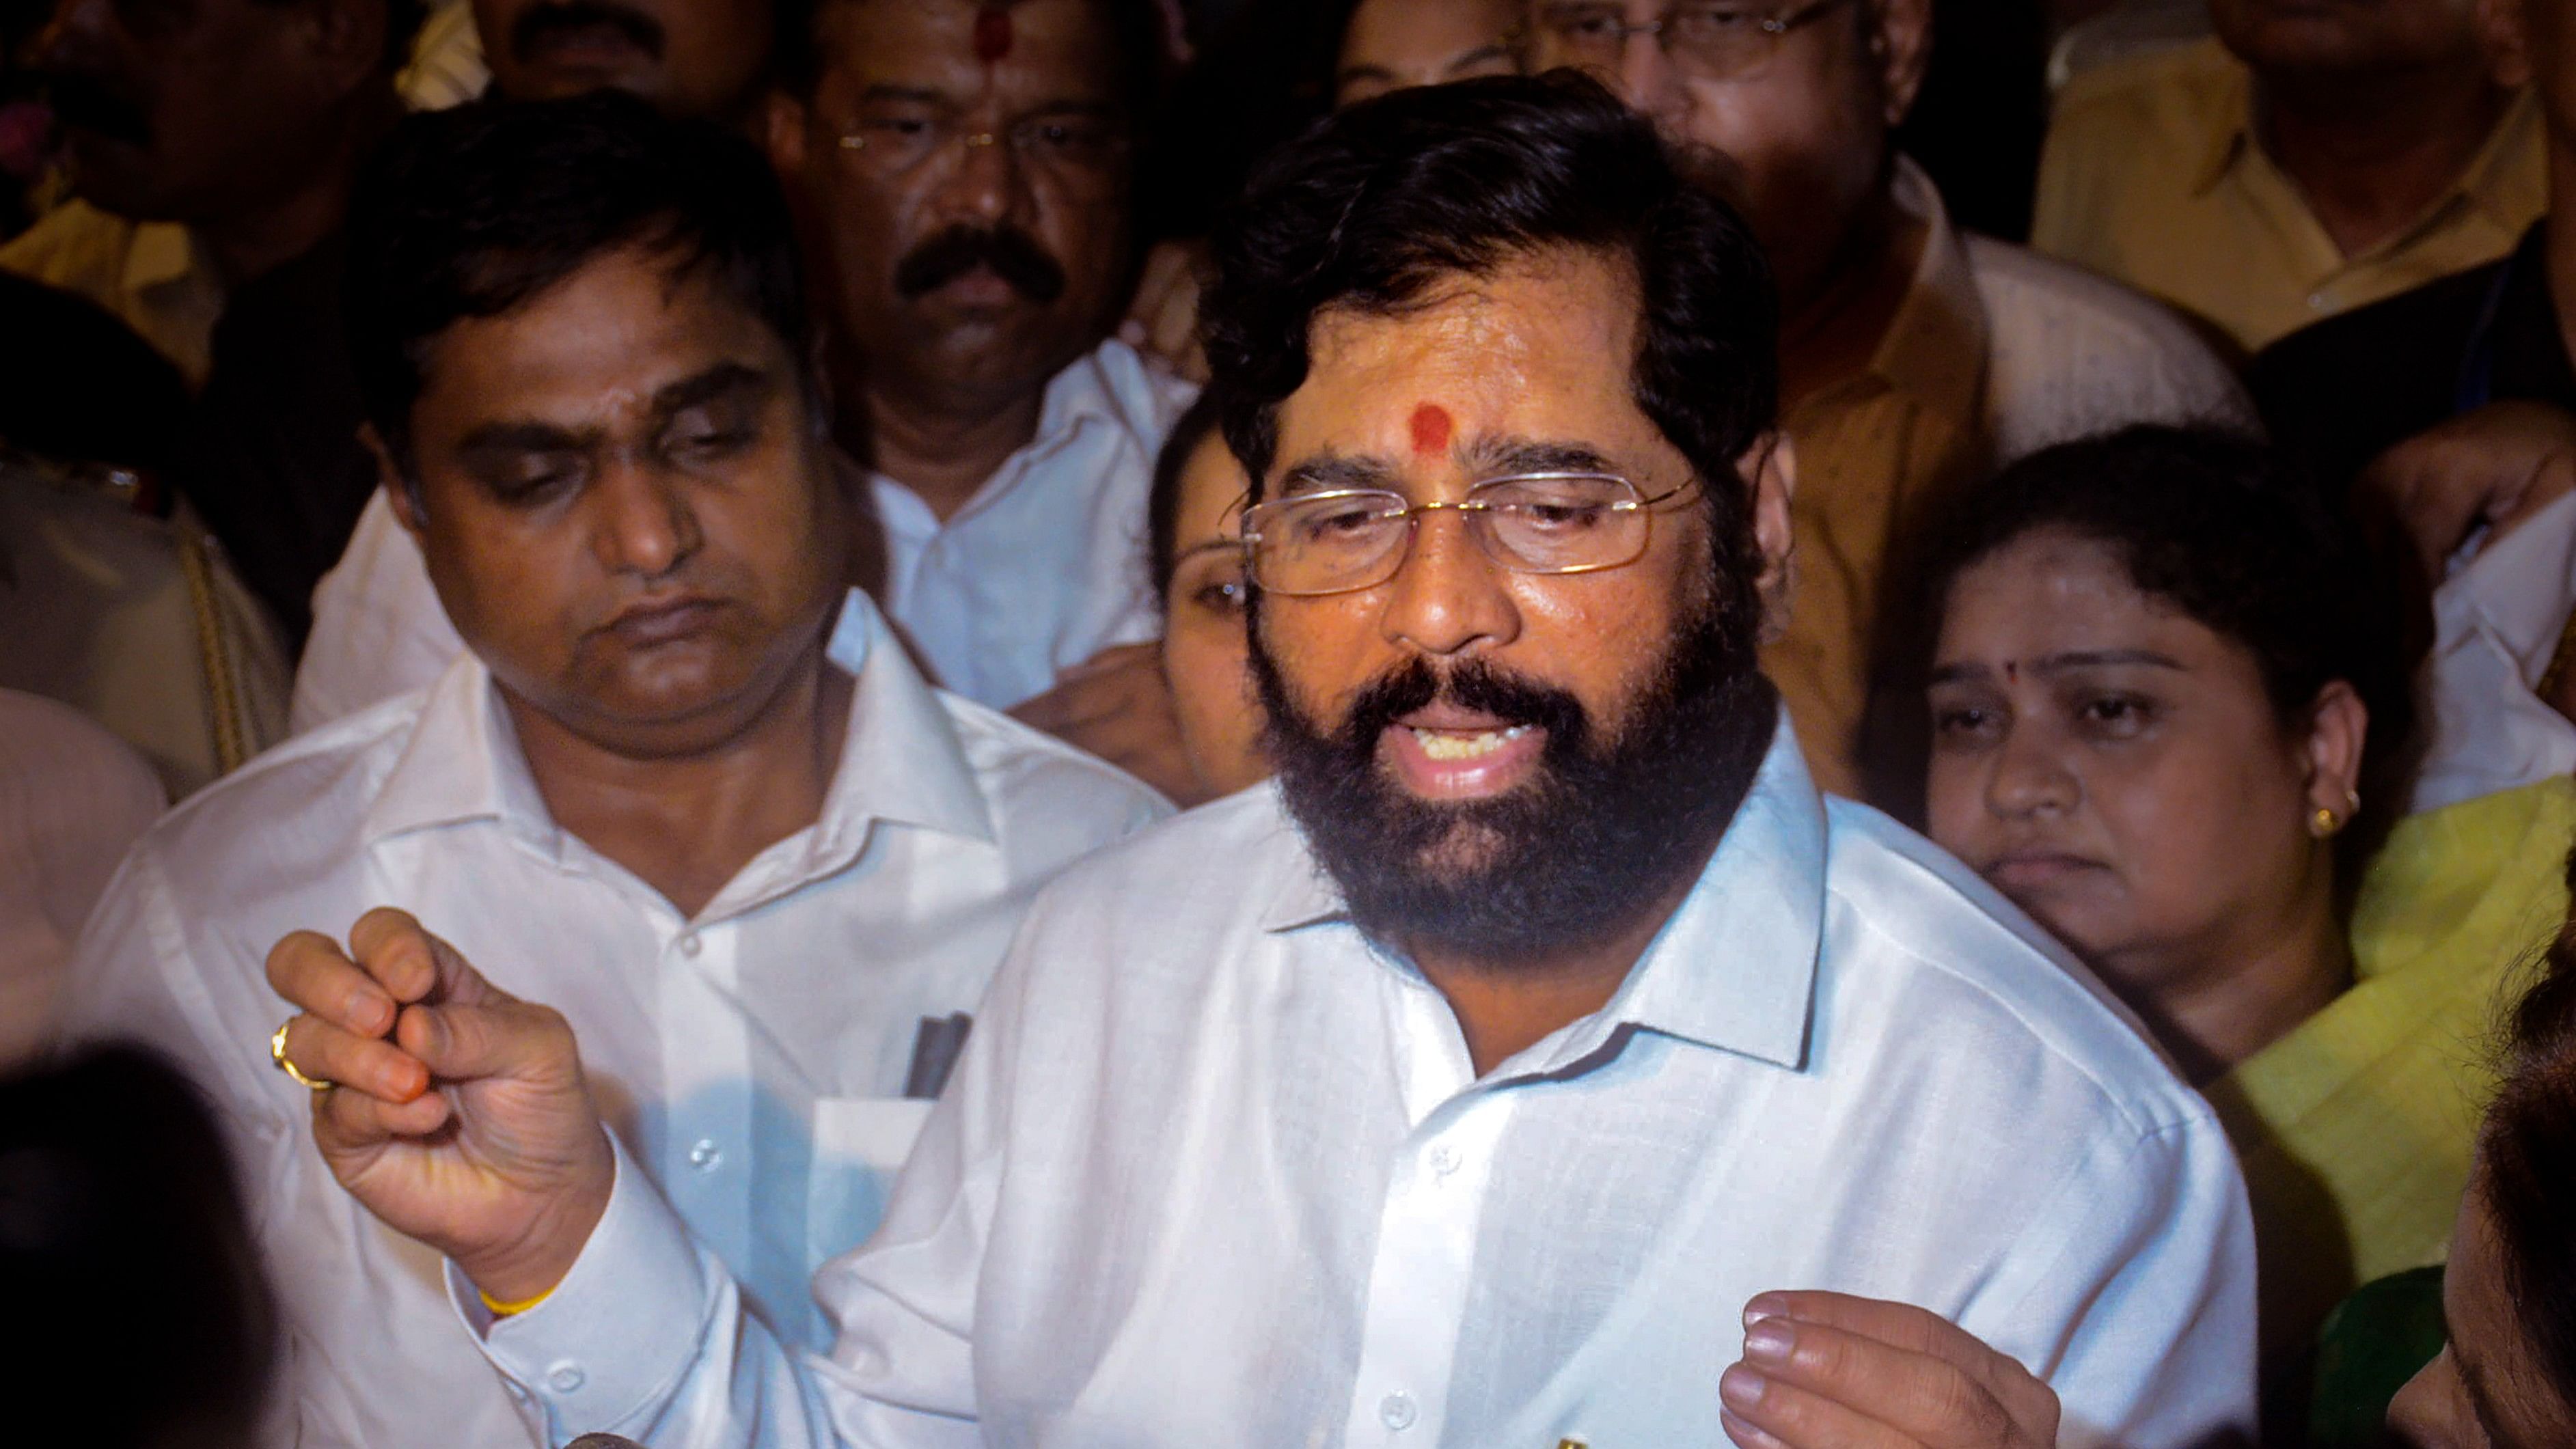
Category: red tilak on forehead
[1431,429]
[992,34]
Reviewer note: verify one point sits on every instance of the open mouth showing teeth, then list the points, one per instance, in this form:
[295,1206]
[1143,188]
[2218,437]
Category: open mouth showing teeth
[1443,745]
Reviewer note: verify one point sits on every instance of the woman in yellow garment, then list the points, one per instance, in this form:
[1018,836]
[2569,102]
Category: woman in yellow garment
[2164,697]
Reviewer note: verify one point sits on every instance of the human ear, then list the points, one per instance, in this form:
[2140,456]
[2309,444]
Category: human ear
[2338,729]
[402,492]
[1900,43]
[1770,472]
[783,119]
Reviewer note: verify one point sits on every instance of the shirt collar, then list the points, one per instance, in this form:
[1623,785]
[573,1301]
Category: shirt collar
[1734,969]
[1935,346]
[158,254]
[2231,125]
[2499,180]
[901,761]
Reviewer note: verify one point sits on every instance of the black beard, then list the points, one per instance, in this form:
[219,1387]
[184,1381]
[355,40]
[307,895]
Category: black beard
[1607,829]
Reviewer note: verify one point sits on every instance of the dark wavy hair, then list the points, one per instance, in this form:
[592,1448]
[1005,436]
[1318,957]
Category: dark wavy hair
[472,212]
[2527,1163]
[2215,524]
[1194,426]
[1376,205]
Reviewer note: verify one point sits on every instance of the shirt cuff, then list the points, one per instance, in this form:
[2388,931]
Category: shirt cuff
[620,1330]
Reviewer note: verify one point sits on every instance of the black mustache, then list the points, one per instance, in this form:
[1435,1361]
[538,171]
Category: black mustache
[1476,686]
[538,21]
[1012,254]
[85,104]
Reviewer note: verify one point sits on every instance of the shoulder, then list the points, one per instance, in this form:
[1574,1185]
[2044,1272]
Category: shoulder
[1915,937]
[1032,780]
[2179,86]
[2074,353]
[1146,395]
[1198,876]
[290,817]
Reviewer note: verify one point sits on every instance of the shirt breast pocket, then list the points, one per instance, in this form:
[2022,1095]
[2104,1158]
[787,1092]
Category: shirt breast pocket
[859,1146]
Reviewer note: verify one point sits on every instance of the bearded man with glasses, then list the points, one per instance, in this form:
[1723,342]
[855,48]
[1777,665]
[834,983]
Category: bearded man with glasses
[1913,358]
[1476,1085]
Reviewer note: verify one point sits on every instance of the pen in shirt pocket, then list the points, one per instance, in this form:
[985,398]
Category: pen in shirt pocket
[935,1045]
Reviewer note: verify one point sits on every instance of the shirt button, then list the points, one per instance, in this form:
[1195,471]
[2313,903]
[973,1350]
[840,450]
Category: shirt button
[2316,301]
[704,1155]
[566,1377]
[1396,1411]
[1443,1159]
[689,943]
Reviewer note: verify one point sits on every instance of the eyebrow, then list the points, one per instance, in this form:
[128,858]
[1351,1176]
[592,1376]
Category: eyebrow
[1965,670]
[1336,470]
[1497,457]
[528,436]
[917,95]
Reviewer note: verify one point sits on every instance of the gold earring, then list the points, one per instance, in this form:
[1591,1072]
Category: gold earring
[2324,823]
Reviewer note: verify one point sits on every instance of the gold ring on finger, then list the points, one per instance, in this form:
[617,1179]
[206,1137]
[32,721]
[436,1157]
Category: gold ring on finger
[277,1054]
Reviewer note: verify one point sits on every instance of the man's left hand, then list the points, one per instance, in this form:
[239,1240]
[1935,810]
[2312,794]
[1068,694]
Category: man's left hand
[1830,1371]
[1117,705]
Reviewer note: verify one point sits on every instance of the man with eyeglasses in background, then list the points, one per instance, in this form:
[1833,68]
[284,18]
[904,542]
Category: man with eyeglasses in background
[1914,359]
[964,176]
[1473,1085]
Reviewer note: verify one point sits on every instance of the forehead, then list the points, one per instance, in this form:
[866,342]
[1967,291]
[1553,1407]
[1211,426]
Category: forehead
[1435,28]
[1057,49]
[602,339]
[2054,588]
[1544,347]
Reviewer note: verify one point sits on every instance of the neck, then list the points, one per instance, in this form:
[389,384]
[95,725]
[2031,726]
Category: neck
[2559,242]
[942,450]
[2244,996]
[292,220]
[686,824]
[1505,1008]
[2372,153]
[1832,326]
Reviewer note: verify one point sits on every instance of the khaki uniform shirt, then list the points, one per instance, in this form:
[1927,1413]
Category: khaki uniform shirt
[1995,352]
[2152,176]
[151,274]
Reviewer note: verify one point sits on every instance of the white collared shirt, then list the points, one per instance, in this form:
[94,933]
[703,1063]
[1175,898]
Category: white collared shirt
[1215,1171]
[2499,622]
[1044,567]
[753,1059]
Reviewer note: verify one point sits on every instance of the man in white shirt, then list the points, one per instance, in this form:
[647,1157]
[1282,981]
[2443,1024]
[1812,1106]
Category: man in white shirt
[683,780]
[966,170]
[1471,1085]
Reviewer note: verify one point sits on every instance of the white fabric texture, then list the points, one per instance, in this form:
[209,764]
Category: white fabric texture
[1216,1171]
[2496,626]
[752,1059]
[1043,568]
[73,799]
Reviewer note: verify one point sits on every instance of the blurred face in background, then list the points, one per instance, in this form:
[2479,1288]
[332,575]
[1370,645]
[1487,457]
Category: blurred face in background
[197,110]
[703,58]
[2325,38]
[1802,111]
[965,170]
[1392,44]
[1204,645]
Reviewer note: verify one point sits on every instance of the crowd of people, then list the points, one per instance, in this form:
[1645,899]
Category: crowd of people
[1137,722]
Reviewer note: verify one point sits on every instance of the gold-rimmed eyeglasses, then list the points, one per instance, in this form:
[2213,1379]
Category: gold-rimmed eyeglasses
[1717,41]
[1344,539]
[1080,152]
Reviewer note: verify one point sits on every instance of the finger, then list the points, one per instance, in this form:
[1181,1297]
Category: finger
[312,973]
[1931,1381]
[1782,1415]
[463,1043]
[347,1123]
[1899,1325]
[413,963]
[368,1065]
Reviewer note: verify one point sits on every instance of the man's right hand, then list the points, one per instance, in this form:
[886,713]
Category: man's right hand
[460,1115]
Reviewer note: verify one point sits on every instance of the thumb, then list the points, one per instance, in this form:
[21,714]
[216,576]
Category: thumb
[466,1042]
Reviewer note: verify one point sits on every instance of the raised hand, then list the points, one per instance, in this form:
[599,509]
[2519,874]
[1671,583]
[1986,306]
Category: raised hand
[2493,468]
[1117,705]
[1830,1371]
[458,1113]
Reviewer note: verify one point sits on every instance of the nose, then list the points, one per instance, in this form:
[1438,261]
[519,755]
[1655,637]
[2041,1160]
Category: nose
[986,182]
[1448,599]
[1651,86]
[644,523]
[2029,779]
[2417,1415]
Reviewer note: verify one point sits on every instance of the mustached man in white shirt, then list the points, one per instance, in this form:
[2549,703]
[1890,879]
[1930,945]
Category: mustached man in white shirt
[966,175]
[683,783]
[1481,1082]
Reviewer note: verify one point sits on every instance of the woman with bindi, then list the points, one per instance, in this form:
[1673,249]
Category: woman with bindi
[2166,696]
